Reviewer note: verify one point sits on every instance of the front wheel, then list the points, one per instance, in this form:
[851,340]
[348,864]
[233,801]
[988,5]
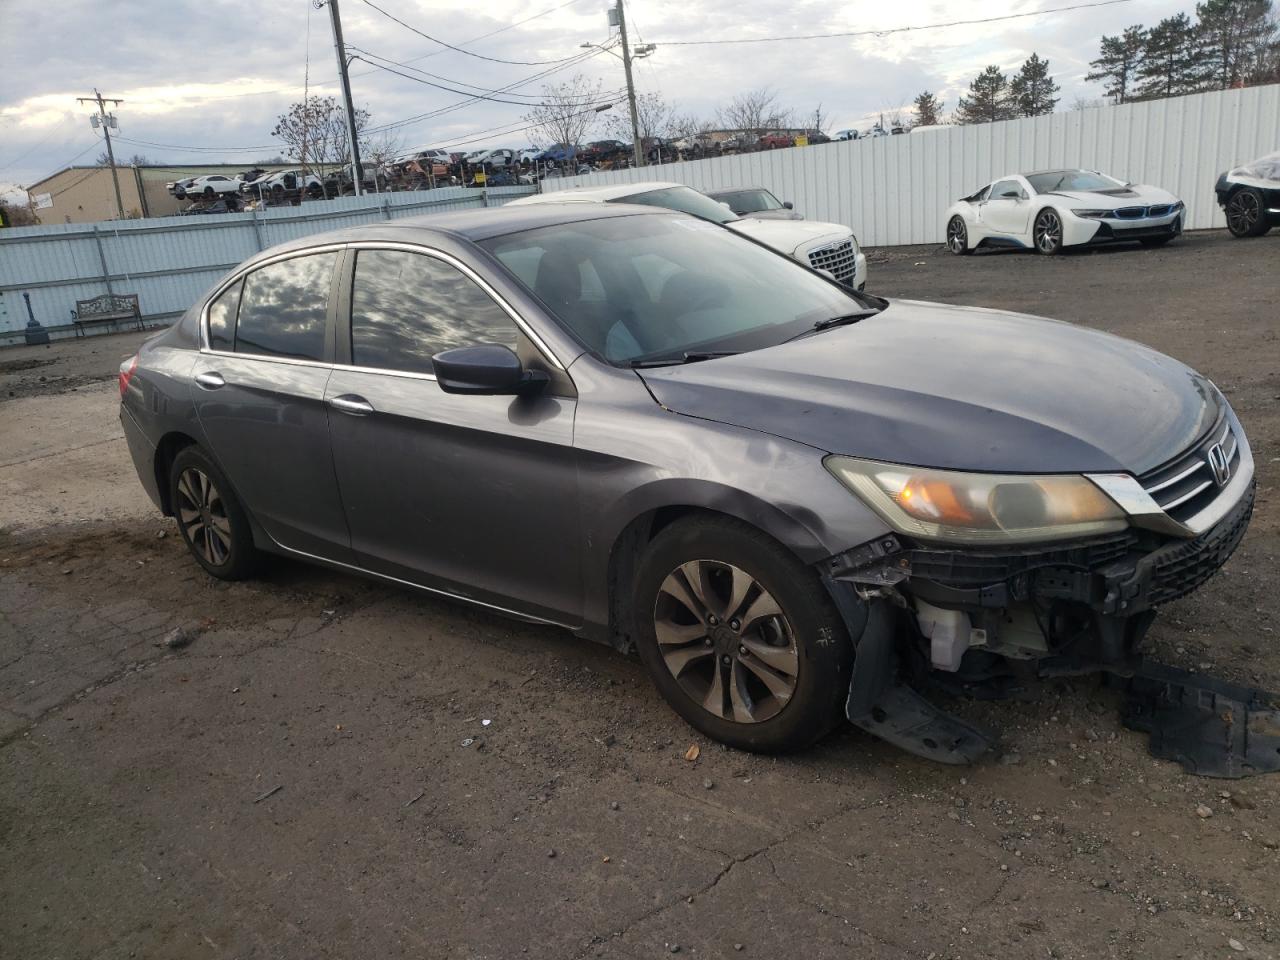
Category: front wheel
[1246,213]
[958,237]
[1047,232]
[210,519]
[739,636]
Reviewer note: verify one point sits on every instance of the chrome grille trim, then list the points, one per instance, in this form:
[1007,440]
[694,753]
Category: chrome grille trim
[1185,488]
[838,259]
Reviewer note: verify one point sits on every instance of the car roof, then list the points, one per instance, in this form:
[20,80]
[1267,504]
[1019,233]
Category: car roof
[601,194]
[471,225]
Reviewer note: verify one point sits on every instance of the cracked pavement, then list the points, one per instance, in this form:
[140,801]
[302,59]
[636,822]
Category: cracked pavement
[137,812]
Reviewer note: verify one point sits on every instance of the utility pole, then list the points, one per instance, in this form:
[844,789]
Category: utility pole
[631,87]
[106,120]
[353,137]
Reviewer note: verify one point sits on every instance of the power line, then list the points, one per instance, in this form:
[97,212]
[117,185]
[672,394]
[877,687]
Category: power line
[479,135]
[36,146]
[891,30]
[460,104]
[438,86]
[479,56]
[198,149]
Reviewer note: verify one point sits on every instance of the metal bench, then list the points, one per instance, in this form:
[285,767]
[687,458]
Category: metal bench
[111,308]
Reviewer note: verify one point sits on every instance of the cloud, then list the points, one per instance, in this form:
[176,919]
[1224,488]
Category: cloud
[216,73]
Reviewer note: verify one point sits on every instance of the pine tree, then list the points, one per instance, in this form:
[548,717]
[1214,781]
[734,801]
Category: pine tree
[1033,89]
[928,110]
[989,99]
[1235,36]
[1173,62]
[1118,63]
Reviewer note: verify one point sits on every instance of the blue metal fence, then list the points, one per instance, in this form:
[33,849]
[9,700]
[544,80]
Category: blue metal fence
[170,261]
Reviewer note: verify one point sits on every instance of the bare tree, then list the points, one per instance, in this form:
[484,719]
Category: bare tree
[315,132]
[380,148]
[656,118]
[566,113]
[817,121]
[754,113]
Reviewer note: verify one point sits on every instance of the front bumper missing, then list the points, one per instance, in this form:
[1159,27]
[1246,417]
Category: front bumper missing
[1114,584]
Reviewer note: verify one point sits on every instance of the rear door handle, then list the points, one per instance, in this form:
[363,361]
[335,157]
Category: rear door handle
[210,380]
[350,403]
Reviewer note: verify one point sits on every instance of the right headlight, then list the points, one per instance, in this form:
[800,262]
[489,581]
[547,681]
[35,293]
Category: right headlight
[979,508]
[1092,214]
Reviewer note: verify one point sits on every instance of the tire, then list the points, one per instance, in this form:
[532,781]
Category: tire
[208,192]
[775,669]
[958,236]
[1046,233]
[1247,213]
[210,519]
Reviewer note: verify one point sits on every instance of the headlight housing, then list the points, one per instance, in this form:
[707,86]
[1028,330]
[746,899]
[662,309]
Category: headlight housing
[1092,214]
[979,508]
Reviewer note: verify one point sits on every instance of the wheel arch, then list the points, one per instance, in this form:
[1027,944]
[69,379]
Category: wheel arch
[170,445]
[651,510]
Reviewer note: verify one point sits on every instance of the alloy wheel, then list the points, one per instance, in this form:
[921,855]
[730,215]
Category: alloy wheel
[726,640]
[957,236]
[203,516]
[1243,212]
[1048,232]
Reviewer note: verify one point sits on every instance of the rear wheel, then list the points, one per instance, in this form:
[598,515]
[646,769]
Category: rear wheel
[210,519]
[739,636]
[1246,213]
[958,236]
[1047,232]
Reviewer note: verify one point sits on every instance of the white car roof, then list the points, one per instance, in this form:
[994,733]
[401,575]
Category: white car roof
[602,194]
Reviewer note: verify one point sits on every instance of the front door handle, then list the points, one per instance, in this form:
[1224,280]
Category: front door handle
[210,380]
[350,403]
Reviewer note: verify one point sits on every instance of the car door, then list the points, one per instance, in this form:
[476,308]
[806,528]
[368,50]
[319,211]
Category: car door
[1007,209]
[260,379]
[472,495]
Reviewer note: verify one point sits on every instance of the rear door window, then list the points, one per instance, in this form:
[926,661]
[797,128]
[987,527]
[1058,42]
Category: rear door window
[406,307]
[284,307]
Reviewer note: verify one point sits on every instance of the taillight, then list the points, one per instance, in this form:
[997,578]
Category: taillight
[127,370]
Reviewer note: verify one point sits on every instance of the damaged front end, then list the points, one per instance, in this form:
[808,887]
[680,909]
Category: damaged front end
[993,622]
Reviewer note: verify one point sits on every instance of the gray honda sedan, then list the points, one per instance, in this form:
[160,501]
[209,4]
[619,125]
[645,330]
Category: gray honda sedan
[657,433]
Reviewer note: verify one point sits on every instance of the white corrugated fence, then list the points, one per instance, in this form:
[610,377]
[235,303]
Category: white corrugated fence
[895,190]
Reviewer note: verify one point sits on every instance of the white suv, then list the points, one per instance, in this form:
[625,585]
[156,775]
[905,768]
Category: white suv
[823,246]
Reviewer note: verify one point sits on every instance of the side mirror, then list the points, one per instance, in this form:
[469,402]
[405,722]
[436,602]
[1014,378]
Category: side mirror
[1011,195]
[487,368]
[827,273]
[787,205]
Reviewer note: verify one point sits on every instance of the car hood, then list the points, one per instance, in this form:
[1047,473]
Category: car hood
[959,388]
[1112,199]
[789,236]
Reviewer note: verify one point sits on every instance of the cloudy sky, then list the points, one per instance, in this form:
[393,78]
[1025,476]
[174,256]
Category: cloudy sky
[204,81]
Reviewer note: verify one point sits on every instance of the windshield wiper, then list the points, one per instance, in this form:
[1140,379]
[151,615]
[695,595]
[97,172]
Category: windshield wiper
[844,320]
[689,356]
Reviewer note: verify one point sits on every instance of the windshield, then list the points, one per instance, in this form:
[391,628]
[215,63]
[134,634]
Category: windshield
[644,287]
[1072,180]
[743,202]
[684,199]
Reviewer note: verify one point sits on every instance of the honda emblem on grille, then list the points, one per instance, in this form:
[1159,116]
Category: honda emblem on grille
[1217,459]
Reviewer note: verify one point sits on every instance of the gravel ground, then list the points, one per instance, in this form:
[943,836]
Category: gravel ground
[334,768]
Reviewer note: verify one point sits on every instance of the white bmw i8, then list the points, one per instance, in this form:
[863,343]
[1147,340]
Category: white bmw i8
[1053,209]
